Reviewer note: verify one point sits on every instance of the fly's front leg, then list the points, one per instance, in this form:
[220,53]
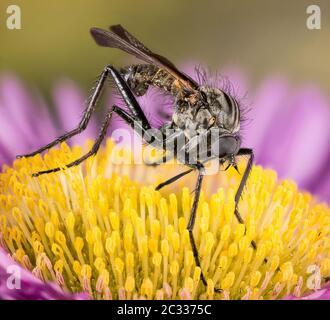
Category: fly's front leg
[192,221]
[173,179]
[249,153]
[83,122]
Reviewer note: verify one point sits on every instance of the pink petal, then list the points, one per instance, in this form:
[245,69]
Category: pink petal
[29,288]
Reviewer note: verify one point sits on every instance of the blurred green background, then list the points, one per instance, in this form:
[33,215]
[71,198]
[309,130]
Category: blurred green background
[260,36]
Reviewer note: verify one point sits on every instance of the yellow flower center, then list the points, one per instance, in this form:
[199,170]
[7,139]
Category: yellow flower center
[102,227]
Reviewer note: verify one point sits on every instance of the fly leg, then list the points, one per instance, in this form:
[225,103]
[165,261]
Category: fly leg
[192,221]
[137,120]
[125,92]
[92,152]
[249,153]
[83,122]
[129,119]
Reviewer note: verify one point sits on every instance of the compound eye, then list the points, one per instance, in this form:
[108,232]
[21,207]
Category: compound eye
[225,146]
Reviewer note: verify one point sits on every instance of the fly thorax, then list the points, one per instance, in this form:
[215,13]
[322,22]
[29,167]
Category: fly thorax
[223,108]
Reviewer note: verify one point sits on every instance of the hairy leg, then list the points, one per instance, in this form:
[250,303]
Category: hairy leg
[129,119]
[125,92]
[83,122]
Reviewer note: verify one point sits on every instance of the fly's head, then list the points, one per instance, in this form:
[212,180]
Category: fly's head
[211,121]
[219,115]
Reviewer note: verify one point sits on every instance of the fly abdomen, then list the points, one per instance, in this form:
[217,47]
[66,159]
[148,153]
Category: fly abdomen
[139,77]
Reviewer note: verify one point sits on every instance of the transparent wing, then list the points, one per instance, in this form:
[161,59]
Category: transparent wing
[121,39]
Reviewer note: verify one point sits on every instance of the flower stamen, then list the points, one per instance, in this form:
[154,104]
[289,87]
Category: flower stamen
[104,229]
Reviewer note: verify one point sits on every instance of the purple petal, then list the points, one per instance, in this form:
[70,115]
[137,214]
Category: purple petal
[28,287]
[15,115]
[297,142]
[16,104]
[311,138]
[25,123]
[264,110]
[322,294]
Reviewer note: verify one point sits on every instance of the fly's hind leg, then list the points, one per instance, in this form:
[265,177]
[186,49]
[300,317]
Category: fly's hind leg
[137,120]
[83,122]
[129,119]
[92,152]
[125,92]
